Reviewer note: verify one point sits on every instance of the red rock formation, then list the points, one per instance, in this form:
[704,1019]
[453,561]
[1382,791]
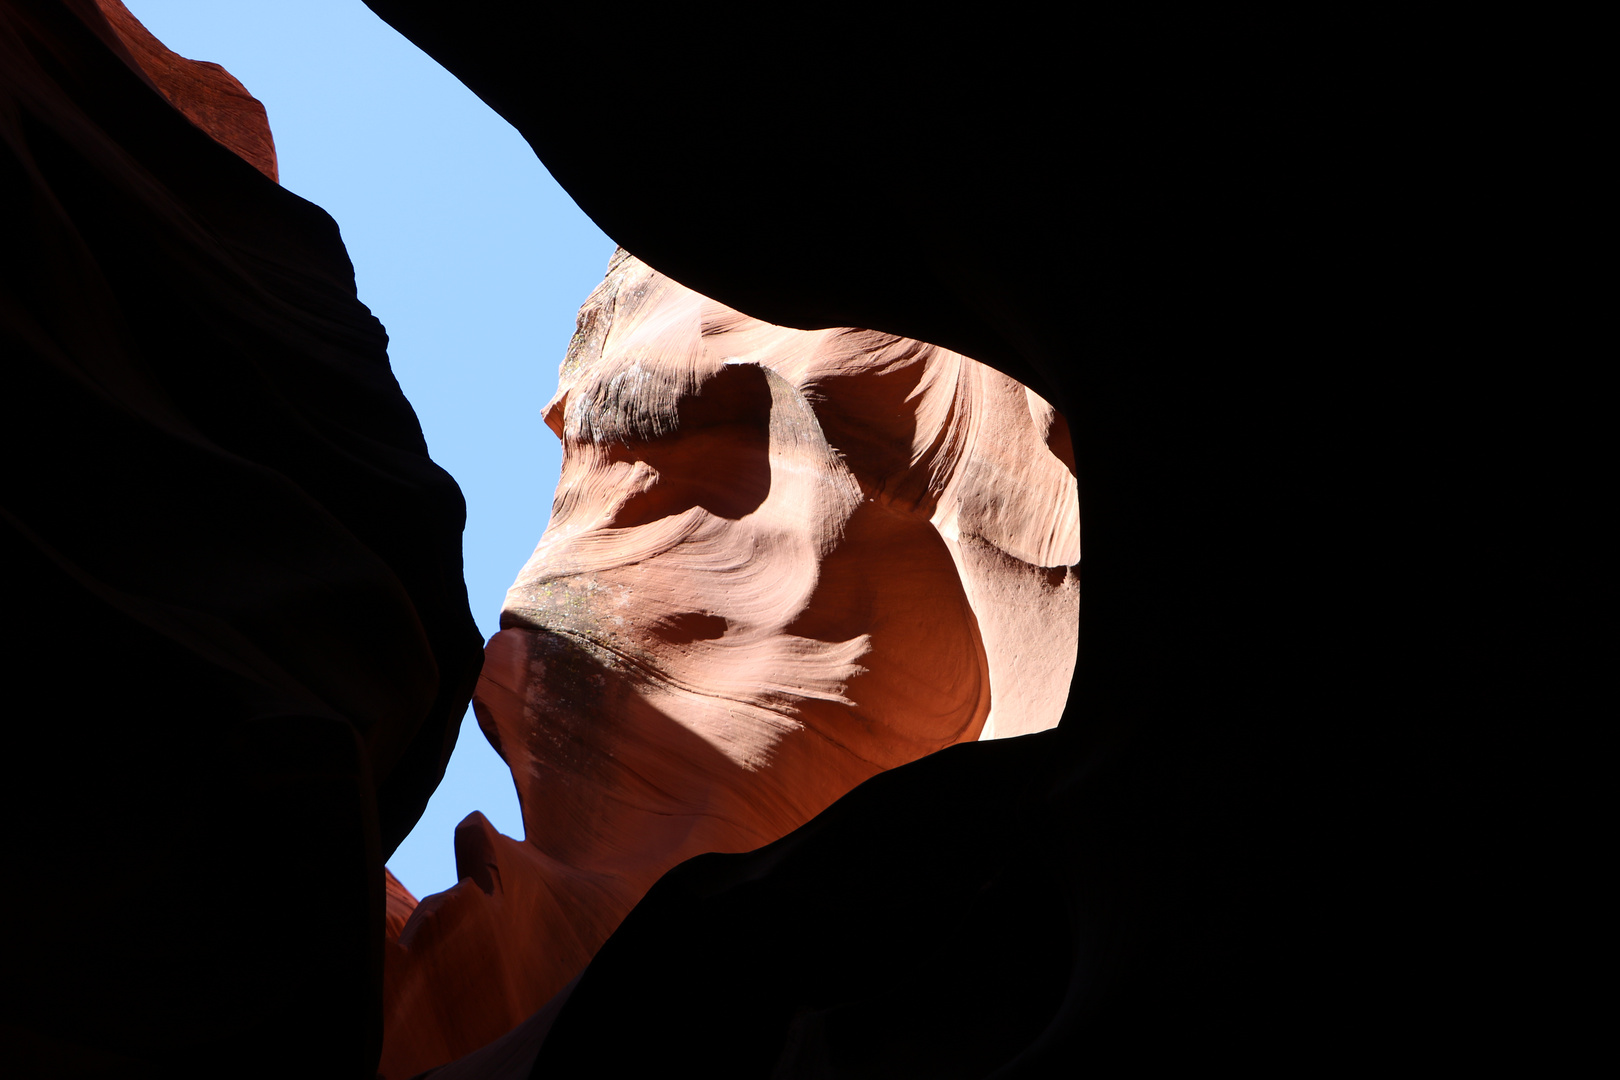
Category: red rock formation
[206,93]
[779,562]
[398,905]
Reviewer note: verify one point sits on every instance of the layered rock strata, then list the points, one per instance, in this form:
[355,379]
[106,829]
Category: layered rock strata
[779,562]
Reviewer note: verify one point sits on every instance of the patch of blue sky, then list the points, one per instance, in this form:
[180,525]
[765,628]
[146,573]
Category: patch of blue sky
[473,258]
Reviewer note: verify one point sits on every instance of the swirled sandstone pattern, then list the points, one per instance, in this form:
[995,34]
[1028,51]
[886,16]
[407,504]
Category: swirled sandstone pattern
[779,562]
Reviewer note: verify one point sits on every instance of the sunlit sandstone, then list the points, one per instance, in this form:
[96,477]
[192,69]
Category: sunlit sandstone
[778,562]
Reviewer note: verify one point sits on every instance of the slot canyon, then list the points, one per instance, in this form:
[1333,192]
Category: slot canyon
[835,758]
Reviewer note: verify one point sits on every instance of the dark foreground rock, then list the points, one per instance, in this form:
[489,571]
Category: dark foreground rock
[1264,268]
[238,640]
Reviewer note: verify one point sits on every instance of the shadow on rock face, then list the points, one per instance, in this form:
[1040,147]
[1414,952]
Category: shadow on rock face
[715,458]
[779,563]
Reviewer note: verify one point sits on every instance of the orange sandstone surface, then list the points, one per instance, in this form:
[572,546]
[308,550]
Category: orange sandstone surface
[205,93]
[779,562]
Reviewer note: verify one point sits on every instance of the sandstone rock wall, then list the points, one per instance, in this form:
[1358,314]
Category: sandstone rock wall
[778,563]
[205,93]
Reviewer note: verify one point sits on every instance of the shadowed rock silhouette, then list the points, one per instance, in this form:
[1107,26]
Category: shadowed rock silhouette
[234,579]
[1223,251]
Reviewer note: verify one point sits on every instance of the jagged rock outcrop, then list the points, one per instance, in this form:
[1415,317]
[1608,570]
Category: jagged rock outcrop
[779,562]
[238,638]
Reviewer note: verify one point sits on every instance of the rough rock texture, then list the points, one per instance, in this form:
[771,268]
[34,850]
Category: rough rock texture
[238,639]
[779,562]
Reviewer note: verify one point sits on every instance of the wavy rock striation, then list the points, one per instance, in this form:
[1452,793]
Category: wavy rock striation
[779,562]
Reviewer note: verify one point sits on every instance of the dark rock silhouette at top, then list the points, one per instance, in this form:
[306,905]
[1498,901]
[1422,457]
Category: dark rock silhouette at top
[1227,247]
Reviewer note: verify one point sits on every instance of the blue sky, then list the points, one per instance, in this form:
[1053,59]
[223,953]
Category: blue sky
[472,257]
